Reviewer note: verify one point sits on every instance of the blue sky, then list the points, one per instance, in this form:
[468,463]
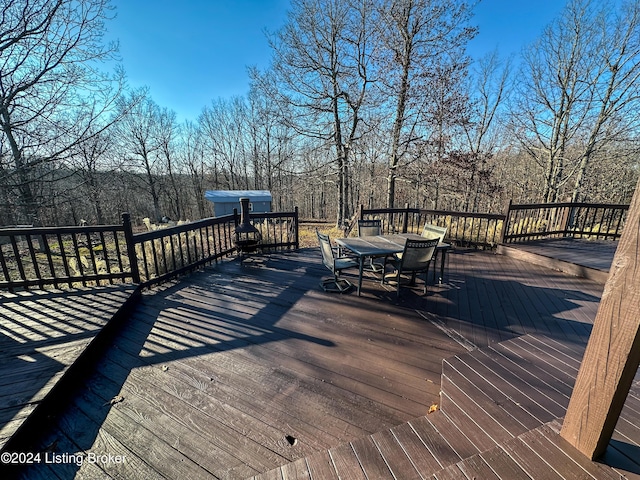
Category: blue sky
[194,51]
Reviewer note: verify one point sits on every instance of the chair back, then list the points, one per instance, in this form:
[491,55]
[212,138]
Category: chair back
[367,228]
[325,248]
[434,231]
[417,254]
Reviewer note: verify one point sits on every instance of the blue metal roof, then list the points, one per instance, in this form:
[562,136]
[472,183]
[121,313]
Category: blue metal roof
[228,196]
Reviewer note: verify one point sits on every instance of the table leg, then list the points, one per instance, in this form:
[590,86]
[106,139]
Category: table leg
[442,257]
[360,273]
[434,260]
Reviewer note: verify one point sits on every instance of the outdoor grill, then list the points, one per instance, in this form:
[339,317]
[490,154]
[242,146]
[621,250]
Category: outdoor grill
[247,238]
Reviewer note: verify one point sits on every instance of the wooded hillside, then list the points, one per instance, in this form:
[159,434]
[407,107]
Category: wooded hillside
[373,102]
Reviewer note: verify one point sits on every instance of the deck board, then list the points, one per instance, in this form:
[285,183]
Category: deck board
[256,365]
[42,334]
[395,456]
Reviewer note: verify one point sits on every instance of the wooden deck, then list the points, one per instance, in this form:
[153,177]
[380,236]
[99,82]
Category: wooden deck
[581,257]
[43,334]
[251,370]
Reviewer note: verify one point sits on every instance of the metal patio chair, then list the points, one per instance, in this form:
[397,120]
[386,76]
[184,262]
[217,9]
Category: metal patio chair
[415,259]
[434,231]
[335,264]
[367,228]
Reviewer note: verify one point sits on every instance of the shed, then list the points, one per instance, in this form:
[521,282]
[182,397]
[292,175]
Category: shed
[224,201]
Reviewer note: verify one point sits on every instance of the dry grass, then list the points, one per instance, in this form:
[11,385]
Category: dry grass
[307,232]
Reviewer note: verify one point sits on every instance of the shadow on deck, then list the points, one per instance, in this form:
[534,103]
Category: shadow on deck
[251,370]
[45,336]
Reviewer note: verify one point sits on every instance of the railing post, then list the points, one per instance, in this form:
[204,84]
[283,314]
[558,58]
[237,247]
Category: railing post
[612,355]
[505,222]
[568,220]
[297,224]
[131,247]
[405,220]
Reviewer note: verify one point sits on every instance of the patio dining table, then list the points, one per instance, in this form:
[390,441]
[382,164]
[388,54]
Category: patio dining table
[377,246]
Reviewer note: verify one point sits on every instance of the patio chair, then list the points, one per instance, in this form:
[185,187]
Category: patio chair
[335,264]
[367,228]
[434,231]
[415,259]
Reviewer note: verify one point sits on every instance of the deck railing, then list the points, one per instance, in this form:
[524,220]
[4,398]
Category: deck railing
[519,223]
[40,257]
[58,256]
[463,228]
[577,220]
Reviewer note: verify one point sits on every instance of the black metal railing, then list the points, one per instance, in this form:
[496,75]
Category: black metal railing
[58,256]
[463,228]
[168,252]
[519,223]
[41,257]
[553,220]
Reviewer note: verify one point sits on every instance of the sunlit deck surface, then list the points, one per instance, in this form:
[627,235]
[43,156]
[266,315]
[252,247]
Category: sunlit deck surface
[251,369]
[44,335]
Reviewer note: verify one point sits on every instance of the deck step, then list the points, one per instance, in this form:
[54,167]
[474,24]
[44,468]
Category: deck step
[537,453]
[539,258]
[487,425]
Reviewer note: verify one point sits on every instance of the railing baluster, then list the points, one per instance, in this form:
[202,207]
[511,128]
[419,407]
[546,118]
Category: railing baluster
[163,249]
[205,253]
[47,249]
[186,243]
[131,247]
[65,261]
[145,261]
[16,252]
[78,258]
[118,253]
[195,248]
[620,218]
[34,260]
[5,269]
[105,257]
[206,236]
[92,255]
[173,252]
[154,253]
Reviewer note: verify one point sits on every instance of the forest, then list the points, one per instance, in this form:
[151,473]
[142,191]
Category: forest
[365,102]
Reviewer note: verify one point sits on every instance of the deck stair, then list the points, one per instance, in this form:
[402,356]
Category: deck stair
[583,258]
[500,417]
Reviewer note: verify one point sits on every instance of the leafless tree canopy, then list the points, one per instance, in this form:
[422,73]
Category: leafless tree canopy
[372,102]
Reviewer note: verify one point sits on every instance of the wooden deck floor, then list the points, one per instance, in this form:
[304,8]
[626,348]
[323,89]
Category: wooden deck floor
[42,334]
[585,258]
[251,369]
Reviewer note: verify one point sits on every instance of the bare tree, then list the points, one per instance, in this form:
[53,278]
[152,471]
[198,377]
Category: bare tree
[578,84]
[192,149]
[223,125]
[616,86]
[51,89]
[488,89]
[322,58]
[168,133]
[422,39]
[140,135]
[91,164]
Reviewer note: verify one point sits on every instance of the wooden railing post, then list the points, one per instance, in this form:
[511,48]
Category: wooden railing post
[405,220]
[567,220]
[505,223]
[131,247]
[297,225]
[612,356]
